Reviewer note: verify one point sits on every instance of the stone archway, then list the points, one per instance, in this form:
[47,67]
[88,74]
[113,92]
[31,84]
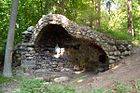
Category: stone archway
[77,52]
[53,34]
[80,45]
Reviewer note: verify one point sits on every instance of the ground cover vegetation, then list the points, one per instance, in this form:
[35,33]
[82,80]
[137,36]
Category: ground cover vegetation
[40,86]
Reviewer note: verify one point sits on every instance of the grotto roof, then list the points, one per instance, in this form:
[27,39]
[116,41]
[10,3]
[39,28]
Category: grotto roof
[108,44]
[73,29]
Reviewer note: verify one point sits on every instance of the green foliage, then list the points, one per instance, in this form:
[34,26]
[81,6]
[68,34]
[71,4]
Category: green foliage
[5,79]
[1,91]
[115,23]
[60,89]
[119,88]
[39,86]
[137,84]
[118,35]
[136,19]
[99,90]
[122,88]
[4,17]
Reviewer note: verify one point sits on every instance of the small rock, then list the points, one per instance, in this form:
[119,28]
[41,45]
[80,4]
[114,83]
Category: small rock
[39,78]
[54,66]
[65,70]
[26,74]
[30,28]
[117,53]
[129,47]
[111,53]
[126,53]
[61,79]
[113,57]
[111,61]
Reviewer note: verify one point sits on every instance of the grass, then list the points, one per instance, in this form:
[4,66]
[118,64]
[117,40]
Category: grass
[39,86]
[137,85]
[122,88]
[100,90]
[119,88]
[5,79]
[120,35]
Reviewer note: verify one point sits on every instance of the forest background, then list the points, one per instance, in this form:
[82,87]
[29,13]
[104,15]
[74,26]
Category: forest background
[108,16]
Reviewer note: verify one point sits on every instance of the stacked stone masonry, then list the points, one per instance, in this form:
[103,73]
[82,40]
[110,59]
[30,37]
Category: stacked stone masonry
[36,50]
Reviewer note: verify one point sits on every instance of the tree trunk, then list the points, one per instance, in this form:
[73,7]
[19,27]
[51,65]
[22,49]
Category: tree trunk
[60,6]
[7,72]
[45,8]
[97,9]
[130,22]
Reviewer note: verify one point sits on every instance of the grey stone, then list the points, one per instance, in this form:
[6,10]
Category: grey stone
[61,79]
[54,65]
[112,57]
[117,53]
[30,48]
[111,61]
[126,53]
[111,53]
[33,54]
[40,71]
[30,28]
[129,47]
[26,33]
[28,55]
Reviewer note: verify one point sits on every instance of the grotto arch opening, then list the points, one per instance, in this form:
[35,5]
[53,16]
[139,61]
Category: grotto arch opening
[75,53]
[53,34]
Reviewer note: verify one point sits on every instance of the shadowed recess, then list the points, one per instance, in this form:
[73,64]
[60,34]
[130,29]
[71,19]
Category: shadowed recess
[77,52]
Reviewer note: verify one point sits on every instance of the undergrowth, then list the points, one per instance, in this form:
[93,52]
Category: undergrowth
[5,79]
[120,35]
[39,86]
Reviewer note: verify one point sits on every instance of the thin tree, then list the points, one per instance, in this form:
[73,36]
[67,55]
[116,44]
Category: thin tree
[60,6]
[130,22]
[7,71]
[97,9]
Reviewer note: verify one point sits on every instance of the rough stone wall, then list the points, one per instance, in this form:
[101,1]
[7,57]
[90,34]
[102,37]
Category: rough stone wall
[110,46]
[114,49]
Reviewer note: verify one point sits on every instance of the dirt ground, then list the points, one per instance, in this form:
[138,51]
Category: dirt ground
[127,71]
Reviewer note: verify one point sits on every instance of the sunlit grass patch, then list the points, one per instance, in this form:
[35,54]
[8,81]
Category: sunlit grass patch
[121,35]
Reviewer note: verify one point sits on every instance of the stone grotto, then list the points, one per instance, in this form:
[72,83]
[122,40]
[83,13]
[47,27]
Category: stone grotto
[56,44]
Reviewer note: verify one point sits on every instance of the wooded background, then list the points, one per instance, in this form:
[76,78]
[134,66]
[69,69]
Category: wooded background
[115,17]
